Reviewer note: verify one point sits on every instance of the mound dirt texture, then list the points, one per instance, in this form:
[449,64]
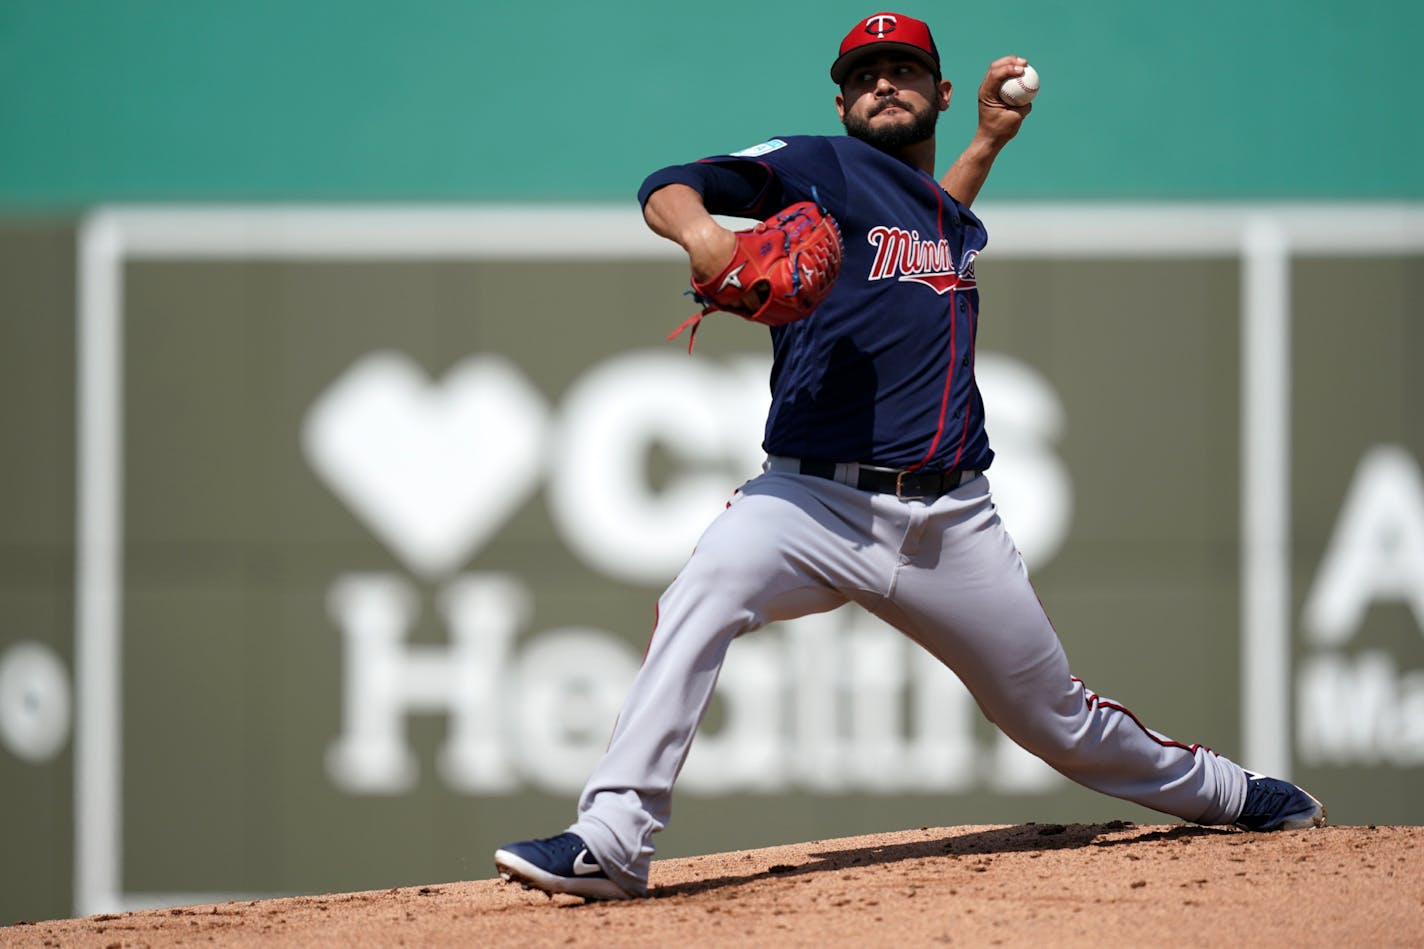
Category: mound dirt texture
[1029,884]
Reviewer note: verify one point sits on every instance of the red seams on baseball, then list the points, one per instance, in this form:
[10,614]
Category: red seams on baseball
[1020,90]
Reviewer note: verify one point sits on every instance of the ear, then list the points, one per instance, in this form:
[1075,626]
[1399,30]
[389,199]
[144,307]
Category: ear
[840,106]
[945,90]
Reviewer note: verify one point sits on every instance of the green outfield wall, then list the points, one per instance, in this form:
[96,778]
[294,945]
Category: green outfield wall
[452,100]
[345,458]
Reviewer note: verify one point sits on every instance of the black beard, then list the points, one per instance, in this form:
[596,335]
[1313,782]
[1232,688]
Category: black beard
[895,137]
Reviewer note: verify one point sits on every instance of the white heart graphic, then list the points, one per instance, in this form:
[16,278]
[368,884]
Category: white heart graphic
[433,469]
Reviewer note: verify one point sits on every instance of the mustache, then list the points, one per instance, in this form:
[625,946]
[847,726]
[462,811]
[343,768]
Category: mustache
[884,104]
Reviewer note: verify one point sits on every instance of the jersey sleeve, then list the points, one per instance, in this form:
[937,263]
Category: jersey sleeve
[759,181]
[737,188]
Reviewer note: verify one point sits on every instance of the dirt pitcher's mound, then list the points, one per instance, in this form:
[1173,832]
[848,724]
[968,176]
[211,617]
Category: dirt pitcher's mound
[1031,884]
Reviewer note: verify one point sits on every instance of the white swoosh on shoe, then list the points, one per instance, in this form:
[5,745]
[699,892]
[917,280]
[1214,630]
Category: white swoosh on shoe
[583,866]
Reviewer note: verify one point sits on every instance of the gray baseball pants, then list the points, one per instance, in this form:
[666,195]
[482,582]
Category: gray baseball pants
[941,570]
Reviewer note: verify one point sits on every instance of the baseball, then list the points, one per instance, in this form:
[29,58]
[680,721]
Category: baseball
[1020,90]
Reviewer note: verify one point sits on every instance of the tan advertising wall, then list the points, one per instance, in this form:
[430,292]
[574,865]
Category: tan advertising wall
[332,536]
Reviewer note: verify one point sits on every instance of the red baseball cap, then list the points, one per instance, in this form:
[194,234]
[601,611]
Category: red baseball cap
[893,32]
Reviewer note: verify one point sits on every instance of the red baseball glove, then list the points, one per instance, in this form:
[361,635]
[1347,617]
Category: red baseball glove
[779,273]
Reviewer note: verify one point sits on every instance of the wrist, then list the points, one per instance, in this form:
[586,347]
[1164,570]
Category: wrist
[698,233]
[986,144]
[709,246]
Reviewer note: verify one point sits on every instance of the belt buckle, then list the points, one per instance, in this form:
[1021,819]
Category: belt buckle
[900,487]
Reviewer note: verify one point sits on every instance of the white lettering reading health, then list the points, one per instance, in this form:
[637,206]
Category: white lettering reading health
[830,702]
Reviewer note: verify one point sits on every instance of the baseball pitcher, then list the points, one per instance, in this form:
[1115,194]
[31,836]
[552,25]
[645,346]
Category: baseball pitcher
[874,489]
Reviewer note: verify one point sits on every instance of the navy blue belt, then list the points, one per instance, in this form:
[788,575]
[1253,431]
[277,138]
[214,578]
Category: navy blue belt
[902,484]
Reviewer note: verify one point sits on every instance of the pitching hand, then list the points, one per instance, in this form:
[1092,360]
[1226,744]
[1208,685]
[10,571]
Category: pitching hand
[999,121]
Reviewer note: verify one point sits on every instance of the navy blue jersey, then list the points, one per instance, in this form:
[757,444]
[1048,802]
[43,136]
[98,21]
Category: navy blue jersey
[883,372]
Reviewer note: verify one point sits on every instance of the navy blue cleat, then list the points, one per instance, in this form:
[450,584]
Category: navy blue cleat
[561,864]
[1273,804]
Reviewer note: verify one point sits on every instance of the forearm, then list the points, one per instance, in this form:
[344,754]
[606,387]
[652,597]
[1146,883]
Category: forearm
[971,169]
[999,122]
[677,212]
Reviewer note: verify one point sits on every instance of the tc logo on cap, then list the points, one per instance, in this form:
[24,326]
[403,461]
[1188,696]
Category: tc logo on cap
[880,24]
[894,34]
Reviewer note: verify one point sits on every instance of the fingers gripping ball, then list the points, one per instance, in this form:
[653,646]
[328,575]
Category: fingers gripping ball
[1020,90]
[779,273]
